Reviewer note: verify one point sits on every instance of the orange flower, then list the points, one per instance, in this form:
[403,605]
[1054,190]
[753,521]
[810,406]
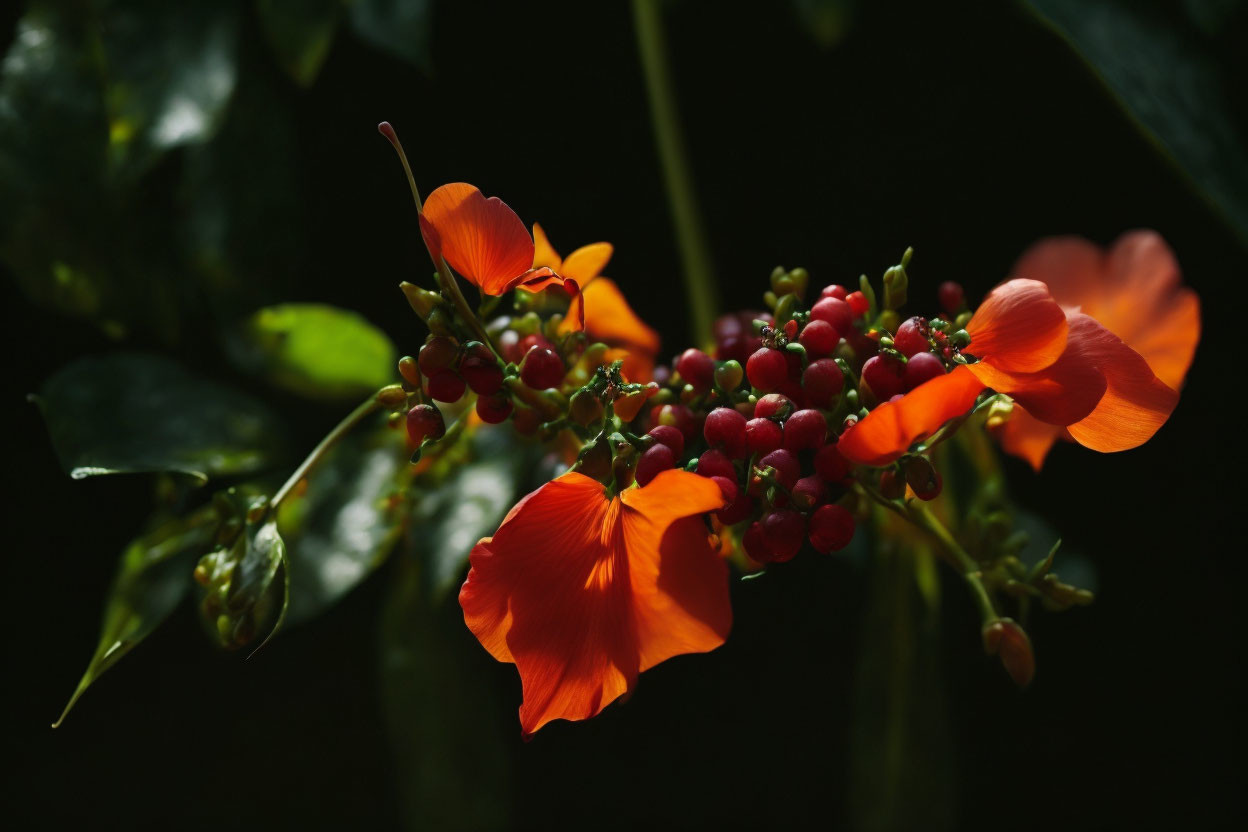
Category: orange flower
[1135,291]
[1059,365]
[608,316]
[583,592]
[484,240]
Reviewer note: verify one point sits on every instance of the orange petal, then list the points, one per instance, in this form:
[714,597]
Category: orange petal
[1026,437]
[609,318]
[544,253]
[556,591]
[480,238]
[1073,268]
[1136,403]
[587,262]
[679,582]
[888,431]
[1018,328]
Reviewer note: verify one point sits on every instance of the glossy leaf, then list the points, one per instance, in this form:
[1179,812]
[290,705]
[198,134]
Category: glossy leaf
[130,412]
[400,27]
[448,730]
[1165,74]
[317,350]
[300,33]
[153,576]
[347,521]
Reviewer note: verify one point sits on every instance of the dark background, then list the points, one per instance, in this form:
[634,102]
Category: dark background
[965,130]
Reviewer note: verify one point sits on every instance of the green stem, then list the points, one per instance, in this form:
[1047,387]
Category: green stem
[922,517]
[344,427]
[690,237]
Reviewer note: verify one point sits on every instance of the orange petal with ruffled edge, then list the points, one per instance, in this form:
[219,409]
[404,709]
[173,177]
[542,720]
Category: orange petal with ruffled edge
[888,431]
[1136,402]
[1018,328]
[1135,291]
[609,318]
[1027,438]
[480,238]
[582,593]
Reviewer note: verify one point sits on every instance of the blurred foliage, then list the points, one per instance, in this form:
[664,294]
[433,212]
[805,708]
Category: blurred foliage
[315,350]
[1166,66]
[129,412]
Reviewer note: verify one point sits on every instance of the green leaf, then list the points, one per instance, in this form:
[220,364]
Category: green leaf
[130,413]
[152,577]
[300,33]
[449,733]
[1165,73]
[470,505]
[169,69]
[347,521]
[316,350]
[399,27]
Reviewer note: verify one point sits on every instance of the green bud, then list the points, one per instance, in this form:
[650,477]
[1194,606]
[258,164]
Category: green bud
[801,281]
[392,395]
[896,283]
[785,307]
[783,285]
[890,320]
[410,371]
[864,286]
[527,324]
[585,408]
[769,298]
[961,338]
[963,319]
[728,375]
[439,323]
[422,301]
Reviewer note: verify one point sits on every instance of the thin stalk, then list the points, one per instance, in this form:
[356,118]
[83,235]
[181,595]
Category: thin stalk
[690,237]
[344,427]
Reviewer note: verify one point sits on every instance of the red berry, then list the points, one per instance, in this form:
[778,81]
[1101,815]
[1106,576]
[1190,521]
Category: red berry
[725,428]
[424,421]
[951,297]
[727,487]
[754,545]
[785,464]
[773,406]
[822,382]
[831,528]
[929,488]
[920,368]
[542,368]
[794,363]
[883,375]
[480,369]
[528,342]
[805,429]
[836,312]
[767,369]
[830,465]
[671,437]
[809,492]
[819,338]
[445,386]
[494,408]
[858,302]
[715,463]
[438,353]
[762,436]
[910,339]
[678,416]
[834,291]
[656,459]
[696,368]
[784,531]
[737,510]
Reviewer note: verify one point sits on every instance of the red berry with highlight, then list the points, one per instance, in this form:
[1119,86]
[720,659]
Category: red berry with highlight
[671,437]
[728,488]
[445,386]
[494,408]
[763,436]
[805,430]
[836,312]
[656,459]
[910,339]
[773,406]
[831,528]
[542,368]
[834,291]
[767,369]
[725,428]
[822,382]
[819,338]
[809,492]
[678,416]
[883,375]
[858,302]
[784,531]
[785,464]
[696,368]
[438,353]
[921,367]
[715,464]
[481,371]
[424,421]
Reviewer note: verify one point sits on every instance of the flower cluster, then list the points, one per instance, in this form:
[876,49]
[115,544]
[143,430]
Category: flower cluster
[792,429]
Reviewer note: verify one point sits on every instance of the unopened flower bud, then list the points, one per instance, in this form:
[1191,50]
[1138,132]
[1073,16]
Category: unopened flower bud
[785,306]
[585,408]
[960,339]
[801,281]
[922,476]
[439,323]
[896,284]
[422,301]
[410,371]
[392,395]
[1003,637]
[728,375]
